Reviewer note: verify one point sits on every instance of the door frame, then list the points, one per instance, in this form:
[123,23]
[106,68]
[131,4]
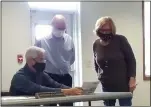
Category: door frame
[76,38]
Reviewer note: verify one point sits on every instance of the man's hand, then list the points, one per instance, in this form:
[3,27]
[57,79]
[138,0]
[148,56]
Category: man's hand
[132,84]
[72,91]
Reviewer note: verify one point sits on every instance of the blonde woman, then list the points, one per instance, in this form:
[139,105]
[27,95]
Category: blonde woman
[114,60]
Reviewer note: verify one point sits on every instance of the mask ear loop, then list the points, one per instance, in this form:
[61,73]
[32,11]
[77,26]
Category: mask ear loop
[34,60]
[44,61]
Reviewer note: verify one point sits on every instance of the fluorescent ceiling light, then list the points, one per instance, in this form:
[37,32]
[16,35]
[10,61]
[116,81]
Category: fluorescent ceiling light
[66,6]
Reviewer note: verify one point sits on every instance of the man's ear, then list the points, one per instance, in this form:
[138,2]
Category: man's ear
[31,62]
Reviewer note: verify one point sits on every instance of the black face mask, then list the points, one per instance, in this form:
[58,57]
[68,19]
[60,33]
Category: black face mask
[105,37]
[39,67]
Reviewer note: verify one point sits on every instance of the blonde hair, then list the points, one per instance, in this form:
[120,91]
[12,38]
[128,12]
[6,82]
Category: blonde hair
[102,21]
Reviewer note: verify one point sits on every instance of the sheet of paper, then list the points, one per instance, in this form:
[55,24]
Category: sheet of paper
[90,85]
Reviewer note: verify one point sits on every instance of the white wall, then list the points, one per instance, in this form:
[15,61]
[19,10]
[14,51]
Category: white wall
[127,16]
[15,38]
[128,19]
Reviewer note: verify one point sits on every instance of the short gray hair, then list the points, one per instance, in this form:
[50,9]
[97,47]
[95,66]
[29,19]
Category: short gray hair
[33,52]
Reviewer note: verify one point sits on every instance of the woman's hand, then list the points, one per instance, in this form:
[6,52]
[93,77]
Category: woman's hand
[132,84]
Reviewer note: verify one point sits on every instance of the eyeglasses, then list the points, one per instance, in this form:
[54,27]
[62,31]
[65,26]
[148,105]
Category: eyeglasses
[40,61]
[105,31]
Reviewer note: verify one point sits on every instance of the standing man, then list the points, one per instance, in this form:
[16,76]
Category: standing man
[60,52]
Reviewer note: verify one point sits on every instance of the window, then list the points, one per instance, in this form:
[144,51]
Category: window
[146,17]
[42,31]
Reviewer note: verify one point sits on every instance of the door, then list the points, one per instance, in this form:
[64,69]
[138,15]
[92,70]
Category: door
[40,21]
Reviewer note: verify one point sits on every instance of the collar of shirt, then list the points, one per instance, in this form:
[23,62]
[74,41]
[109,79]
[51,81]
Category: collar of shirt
[34,76]
[56,38]
[28,71]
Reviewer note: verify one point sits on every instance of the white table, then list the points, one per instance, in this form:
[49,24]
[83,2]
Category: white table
[20,101]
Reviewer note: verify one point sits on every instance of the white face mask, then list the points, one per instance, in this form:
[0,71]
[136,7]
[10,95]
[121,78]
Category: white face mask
[58,33]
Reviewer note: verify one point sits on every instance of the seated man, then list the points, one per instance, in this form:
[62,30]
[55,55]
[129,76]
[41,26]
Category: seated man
[31,79]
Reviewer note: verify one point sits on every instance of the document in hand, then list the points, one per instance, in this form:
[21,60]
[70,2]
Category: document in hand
[89,87]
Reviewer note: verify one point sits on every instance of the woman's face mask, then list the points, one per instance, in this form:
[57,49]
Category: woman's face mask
[105,32]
